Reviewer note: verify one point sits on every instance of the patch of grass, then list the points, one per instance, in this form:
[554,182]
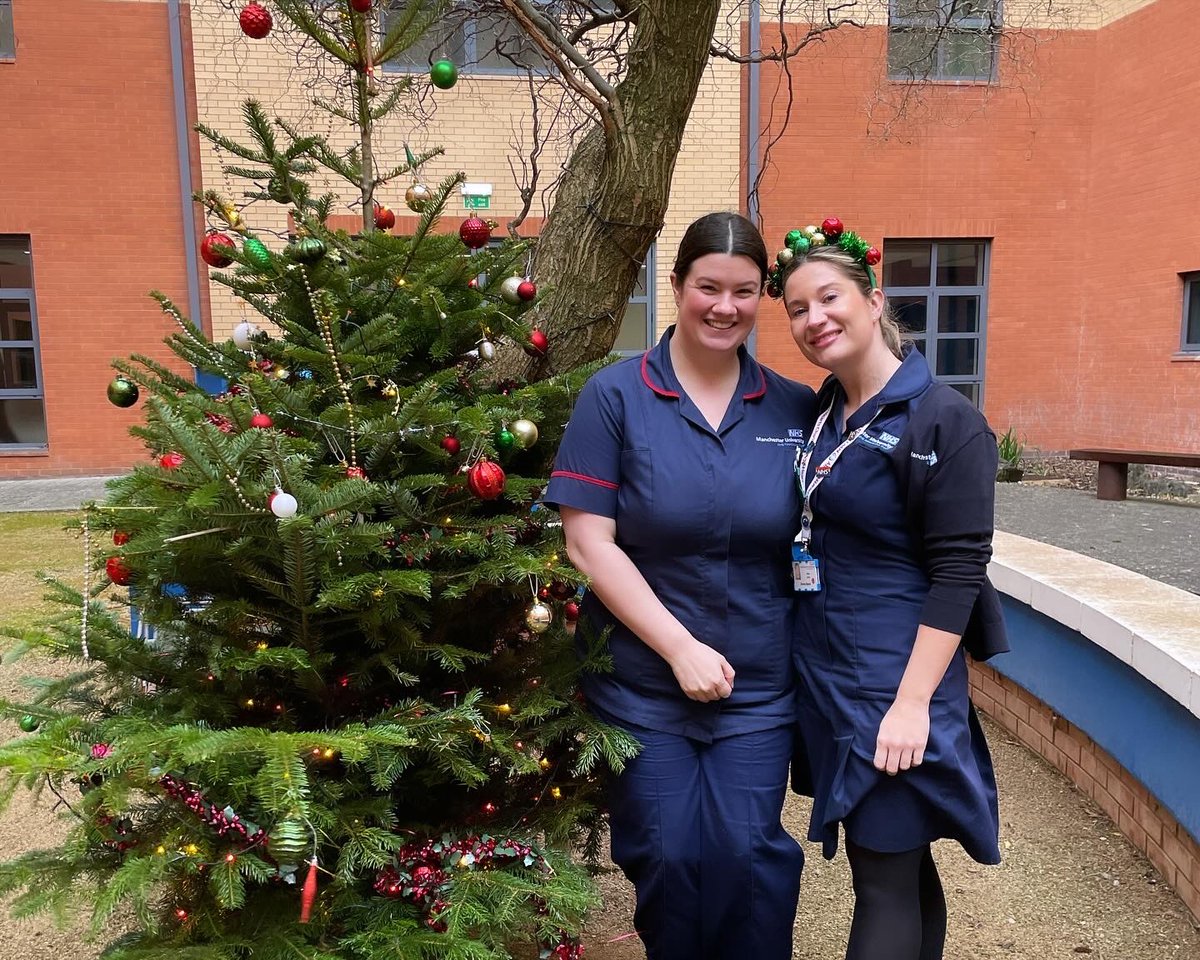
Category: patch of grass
[33,543]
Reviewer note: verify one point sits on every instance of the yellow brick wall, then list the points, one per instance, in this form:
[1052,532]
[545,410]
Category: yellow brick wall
[482,123]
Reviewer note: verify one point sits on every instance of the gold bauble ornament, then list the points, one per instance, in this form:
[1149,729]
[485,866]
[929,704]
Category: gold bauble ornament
[539,617]
[417,197]
[525,431]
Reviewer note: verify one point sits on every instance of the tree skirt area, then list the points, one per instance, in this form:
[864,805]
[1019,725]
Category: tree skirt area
[1070,885]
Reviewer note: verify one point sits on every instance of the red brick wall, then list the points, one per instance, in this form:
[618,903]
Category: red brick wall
[1083,173]
[1147,825]
[88,169]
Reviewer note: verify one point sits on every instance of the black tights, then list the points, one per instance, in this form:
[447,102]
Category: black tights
[899,907]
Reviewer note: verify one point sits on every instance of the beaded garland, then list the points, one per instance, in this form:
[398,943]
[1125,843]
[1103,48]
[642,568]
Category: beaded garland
[831,233]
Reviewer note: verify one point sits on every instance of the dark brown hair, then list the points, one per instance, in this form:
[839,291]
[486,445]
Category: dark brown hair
[724,232]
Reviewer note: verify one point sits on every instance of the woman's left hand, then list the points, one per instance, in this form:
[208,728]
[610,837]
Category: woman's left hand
[903,735]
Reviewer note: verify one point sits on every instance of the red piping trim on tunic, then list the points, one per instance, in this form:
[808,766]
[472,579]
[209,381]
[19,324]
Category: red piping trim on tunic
[579,476]
[657,389]
[755,394]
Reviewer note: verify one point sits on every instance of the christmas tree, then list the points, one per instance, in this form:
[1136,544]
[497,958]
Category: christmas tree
[347,725]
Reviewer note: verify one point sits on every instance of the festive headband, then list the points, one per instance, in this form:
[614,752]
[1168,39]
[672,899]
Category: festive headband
[832,233]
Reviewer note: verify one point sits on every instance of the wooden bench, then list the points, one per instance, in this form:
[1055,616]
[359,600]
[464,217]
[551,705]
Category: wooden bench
[1112,480]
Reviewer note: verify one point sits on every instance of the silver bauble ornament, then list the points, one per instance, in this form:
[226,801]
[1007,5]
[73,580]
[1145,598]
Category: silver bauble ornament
[283,505]
[509,290]
[539,617]
[525,431]
[243,335]
[487,350]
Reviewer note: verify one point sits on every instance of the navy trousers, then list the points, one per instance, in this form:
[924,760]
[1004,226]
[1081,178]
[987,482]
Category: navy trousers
[695,827]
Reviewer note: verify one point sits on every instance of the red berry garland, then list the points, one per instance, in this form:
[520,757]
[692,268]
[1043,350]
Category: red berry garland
[475,233]
[255,20]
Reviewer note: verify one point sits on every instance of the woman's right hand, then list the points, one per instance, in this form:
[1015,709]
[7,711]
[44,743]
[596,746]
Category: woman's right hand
[702,673]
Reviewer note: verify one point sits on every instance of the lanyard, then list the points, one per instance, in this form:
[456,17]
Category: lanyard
[804,457]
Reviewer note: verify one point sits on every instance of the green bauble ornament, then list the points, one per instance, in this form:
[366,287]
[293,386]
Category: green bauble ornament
[255,251]
[278,190]
[29,724]
[443,74]
[289,841]
[802,245]
[792,238]
[122,392]
[505,440]
[308,250]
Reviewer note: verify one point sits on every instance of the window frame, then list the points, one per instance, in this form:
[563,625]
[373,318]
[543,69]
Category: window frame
[650,299]
[933,291]
[8,53]
[1191,280]
[964,25]
[38,391]
[469,65]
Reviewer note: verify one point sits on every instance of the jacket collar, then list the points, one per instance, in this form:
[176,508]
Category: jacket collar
[659,374]
[910,380]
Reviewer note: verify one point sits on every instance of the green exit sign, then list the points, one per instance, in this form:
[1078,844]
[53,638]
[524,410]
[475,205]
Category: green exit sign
[473,202]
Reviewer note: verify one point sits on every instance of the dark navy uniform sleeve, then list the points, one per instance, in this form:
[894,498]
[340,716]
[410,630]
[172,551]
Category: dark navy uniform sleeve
[587,468]
[959,514]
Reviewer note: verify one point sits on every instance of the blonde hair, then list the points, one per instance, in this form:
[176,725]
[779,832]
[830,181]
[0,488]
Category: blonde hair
[894,336]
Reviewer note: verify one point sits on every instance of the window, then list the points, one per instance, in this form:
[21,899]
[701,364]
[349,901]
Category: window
[938,290]
[943,39]
[8,40]
[22,410]
[476,42]
[637,326]
[1191,313]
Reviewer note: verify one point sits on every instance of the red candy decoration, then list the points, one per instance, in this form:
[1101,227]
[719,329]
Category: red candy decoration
[873,256]
[385,218]
[832,228]
[527,290]
[120,538]
[213,249]
[360,6]
[486,480]
[117,571]
[260,421]
[538,344]
[255,20]
[171,460]
[475,233]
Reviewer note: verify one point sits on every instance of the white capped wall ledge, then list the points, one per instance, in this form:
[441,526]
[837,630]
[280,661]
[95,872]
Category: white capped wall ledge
[1150,626]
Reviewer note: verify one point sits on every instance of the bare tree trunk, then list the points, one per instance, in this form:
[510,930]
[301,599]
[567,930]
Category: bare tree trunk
[612,200]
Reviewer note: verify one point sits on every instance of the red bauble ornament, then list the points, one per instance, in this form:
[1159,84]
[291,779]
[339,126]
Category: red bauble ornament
[356,473]
[451,445]
[527,290]
[571,611]
[538,344]
[486,480]
[873,256]
[216,249]
[255,20]
[473,283]
[120,538]
[475,233]
[832,228]
[117,572]
[260,421]
[385,218]
[560,590]
[360,6]
[171,460]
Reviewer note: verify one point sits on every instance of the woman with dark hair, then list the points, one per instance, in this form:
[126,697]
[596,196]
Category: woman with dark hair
[897,479]
[674,484]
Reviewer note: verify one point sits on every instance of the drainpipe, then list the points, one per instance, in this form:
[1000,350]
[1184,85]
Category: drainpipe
[752,132]
[184,156]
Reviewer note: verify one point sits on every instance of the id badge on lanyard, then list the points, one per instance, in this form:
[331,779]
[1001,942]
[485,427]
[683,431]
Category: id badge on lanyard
[806,569]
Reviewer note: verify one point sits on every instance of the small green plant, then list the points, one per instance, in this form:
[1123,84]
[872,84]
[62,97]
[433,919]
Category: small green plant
[1011,448]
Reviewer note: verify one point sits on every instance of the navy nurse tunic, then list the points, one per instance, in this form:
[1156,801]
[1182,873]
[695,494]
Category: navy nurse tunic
[707,516]
[853,640]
